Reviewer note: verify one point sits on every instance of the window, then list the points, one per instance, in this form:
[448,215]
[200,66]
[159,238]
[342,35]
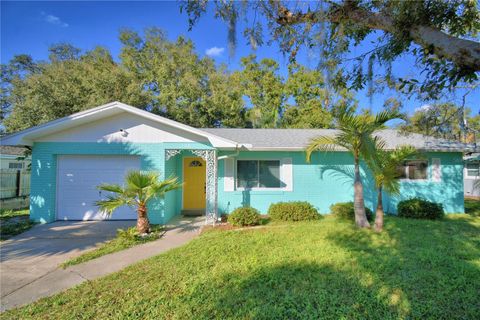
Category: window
[414,170]
[195,163]
[258,174]
[473,169]
[15,165]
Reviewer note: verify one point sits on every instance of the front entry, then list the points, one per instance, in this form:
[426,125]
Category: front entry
[194,183]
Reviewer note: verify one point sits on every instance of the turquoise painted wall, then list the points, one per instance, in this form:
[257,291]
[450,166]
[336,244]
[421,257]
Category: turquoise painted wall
[44,169]
[448,192]
[328,179]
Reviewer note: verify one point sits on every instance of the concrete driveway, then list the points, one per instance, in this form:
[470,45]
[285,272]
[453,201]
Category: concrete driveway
[37,252]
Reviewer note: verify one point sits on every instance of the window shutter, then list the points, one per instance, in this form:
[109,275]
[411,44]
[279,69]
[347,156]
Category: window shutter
[229,180]
[436,170]
[287,174]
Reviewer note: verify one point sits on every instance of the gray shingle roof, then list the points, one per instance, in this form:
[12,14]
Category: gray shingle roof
[12,150]
[299,138]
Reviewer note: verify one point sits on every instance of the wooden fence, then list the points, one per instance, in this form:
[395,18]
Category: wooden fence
[14,183]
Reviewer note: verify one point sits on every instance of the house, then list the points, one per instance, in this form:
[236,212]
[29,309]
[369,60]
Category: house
[12,157]
[14,177]
[471,174]
[221,169]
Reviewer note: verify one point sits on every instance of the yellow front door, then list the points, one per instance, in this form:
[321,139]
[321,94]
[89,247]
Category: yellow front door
[194,177]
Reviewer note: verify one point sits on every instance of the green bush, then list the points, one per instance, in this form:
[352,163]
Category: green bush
[131,234]
[292,211]
[345,210]
[244,216]
[417,208]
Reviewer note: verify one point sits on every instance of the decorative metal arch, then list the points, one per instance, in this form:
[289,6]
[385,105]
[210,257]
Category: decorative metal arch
[210,157]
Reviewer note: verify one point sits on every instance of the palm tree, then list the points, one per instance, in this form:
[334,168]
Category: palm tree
[140,187]
[384,166]
[355,134]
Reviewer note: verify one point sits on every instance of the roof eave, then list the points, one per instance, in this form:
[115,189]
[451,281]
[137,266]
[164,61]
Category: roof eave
[28,136]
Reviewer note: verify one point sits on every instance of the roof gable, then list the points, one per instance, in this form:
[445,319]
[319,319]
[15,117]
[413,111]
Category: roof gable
[28,136]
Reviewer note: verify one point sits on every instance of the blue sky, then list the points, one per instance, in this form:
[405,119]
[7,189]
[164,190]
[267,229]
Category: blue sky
[31,27]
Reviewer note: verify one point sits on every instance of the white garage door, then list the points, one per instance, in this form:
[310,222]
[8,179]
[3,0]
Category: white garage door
[77,181]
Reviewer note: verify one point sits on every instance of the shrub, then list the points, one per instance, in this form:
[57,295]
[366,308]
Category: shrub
[417,208]
[245,216]
[292,211]
[131,234]
[345,210]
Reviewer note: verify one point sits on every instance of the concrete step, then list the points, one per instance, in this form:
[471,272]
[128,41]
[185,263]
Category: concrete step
[193,212]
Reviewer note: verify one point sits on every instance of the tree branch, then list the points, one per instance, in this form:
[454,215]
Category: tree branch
[462,52]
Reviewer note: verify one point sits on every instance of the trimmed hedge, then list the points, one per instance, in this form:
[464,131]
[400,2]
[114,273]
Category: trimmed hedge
[292,211]
[417,208]
[244,216]
[346,211]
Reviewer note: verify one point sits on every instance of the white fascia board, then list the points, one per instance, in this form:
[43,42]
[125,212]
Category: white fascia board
[338,149]
[214,139]
[284,149]
[27,136]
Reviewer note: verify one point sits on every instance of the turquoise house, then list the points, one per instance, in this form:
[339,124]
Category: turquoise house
[221,169]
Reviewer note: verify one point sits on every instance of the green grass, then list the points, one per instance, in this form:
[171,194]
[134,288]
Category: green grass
[472,207]
[310,270]
[7,214]
[125,239]
[13,222]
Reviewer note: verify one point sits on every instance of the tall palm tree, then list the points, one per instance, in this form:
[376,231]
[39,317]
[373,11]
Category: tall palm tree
[384,166]
[139,188]
[355,134]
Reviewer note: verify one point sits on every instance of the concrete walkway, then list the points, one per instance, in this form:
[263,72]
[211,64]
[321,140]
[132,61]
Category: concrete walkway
[179,232]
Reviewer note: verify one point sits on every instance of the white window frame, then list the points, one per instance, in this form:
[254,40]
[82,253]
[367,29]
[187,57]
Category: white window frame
[465,173]
[258,168]
[18,165]
[416,180]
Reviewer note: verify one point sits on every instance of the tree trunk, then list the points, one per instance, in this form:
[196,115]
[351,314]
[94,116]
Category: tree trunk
[463,53]
[358,202]
[143,225]
[379,212]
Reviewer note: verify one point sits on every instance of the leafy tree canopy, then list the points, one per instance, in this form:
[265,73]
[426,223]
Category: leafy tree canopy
[36,92]
[444,120]
[167,78]
[441,35]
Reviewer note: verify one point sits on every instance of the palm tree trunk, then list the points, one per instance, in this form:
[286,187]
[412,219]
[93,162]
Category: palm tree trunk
[379,212]
[143,225]
[358,201]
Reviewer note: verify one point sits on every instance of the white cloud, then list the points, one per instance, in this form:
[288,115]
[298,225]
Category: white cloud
[49,18]
[214,51]
[423,108]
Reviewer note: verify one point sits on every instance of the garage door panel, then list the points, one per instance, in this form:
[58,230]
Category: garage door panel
[77,181]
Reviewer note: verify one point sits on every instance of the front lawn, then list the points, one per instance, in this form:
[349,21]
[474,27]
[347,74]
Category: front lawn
[125,239]
[13,222]
[314,270]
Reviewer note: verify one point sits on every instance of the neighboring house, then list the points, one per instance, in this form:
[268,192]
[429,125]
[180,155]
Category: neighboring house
[221,169]
[9,158]
[471,175]
[14,177]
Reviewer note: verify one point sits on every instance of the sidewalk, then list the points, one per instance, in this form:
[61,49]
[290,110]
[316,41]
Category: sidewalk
[179,232]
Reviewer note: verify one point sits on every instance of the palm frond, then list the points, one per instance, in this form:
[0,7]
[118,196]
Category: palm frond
[116,188]
[385,167]
[139,180]
[113,202]
[384,116]
[140,186]
[322,143]
[161,187]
